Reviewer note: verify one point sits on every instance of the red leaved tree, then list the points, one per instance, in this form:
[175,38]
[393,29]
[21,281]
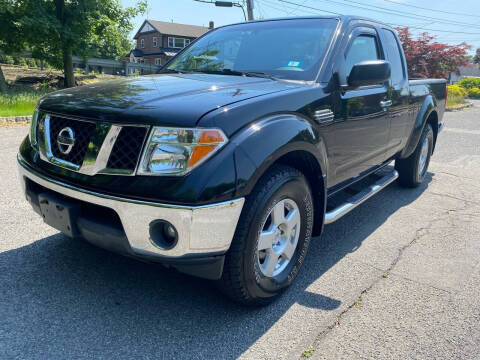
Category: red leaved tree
[427,58]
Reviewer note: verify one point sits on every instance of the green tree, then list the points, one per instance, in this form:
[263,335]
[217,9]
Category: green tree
[476,58]
[56,29]
[11,40]
[113,44]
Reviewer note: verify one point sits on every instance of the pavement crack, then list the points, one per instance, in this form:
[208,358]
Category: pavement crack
[454,175]
[454,197]
[419,233]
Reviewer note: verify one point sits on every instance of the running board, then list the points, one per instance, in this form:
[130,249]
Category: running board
[359,198]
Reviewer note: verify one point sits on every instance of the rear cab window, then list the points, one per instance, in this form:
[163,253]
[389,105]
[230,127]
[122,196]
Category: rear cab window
[394,56]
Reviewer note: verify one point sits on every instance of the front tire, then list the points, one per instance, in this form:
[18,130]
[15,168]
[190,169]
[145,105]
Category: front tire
[271,240]
[412,170]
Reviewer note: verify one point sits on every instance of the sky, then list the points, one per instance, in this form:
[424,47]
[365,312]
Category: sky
[451,21]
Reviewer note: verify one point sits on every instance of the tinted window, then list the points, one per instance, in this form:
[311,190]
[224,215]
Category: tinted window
[290,49]
[363,48]
[394,57]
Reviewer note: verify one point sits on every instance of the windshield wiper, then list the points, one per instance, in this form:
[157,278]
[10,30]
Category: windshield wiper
[222,72]
[177,71]
[239,73]
[260,75]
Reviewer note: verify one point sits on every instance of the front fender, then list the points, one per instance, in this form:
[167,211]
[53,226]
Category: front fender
[429,105]
[263,142]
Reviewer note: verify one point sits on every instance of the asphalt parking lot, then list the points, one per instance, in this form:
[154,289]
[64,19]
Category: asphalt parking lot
[399,277]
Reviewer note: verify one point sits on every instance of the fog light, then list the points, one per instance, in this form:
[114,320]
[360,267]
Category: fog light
[170,231]
[163,234]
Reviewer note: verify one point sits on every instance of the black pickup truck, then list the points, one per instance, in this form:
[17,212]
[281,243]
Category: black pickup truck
[227,162]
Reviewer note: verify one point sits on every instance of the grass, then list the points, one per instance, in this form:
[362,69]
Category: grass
[20,102]
[308,353]
[455,100]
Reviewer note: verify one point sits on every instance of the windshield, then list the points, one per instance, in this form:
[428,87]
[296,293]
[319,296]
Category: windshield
[286,49]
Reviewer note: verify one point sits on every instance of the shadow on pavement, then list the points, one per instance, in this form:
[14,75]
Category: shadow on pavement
[68,299]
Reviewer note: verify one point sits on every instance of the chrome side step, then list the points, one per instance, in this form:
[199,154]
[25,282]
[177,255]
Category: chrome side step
[357,199]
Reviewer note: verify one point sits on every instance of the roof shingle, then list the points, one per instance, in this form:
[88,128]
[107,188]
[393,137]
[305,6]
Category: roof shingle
[178,29]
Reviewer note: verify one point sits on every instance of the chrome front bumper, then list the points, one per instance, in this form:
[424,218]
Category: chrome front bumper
[201,229]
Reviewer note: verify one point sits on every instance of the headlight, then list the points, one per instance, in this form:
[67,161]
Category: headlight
[176,151]
[33,129]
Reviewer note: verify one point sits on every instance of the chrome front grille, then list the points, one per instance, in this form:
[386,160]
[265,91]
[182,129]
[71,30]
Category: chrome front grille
[90,147]
[83,132]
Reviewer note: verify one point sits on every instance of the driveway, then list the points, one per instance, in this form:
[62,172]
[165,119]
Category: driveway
[399,277]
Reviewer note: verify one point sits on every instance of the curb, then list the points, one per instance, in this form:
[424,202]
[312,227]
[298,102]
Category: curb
[15,119]
[458,108]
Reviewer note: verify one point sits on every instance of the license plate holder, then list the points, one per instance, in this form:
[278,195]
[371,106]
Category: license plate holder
[59,213]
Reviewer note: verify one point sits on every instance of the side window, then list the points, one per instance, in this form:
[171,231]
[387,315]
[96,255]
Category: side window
[394,57]
[363,48]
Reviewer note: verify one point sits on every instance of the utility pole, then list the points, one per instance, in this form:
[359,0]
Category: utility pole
[249,9]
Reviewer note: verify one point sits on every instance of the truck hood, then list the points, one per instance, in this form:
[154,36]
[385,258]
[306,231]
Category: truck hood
[171,100]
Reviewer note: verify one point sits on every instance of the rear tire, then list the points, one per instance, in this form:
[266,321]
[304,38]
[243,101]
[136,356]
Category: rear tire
[412,170]
[271,240]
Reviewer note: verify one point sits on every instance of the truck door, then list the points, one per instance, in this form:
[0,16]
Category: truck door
[398,93]
[362,125]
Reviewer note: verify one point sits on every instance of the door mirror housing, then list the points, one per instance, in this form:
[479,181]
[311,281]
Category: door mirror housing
[368,73]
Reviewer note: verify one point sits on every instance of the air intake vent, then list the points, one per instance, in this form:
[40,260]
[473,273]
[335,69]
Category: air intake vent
[127,148]
[324,116]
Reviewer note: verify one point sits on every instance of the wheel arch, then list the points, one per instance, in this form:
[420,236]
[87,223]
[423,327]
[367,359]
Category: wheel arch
[306,163]
[297,144]
[427,113]
[433,121]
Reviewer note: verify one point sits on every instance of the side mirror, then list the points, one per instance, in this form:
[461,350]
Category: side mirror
[369,73]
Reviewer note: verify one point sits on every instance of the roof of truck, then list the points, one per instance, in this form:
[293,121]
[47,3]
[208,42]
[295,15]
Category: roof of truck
[342,18]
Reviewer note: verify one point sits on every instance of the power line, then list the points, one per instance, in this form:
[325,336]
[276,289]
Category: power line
[412,27]
[226,4]
[435,10]
[260,9]
[445,31]
[296,8]
[269,4]
[309,7]
[398,13]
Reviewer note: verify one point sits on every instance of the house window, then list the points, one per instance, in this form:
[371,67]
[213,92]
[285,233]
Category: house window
[158,61]
[178,43]
[155,42]
[142,43]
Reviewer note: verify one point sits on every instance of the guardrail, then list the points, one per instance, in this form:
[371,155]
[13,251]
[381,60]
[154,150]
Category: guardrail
[106,66]
[114,67]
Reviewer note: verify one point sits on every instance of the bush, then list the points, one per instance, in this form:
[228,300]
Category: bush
[474,93]
[9,60]
[469,83]
[18,60]
[455,90]
[456,95]
[30,62]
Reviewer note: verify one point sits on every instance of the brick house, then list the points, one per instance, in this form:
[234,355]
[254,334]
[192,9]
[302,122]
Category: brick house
[158,41]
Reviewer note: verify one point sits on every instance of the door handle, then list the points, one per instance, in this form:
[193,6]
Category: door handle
[386,103]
